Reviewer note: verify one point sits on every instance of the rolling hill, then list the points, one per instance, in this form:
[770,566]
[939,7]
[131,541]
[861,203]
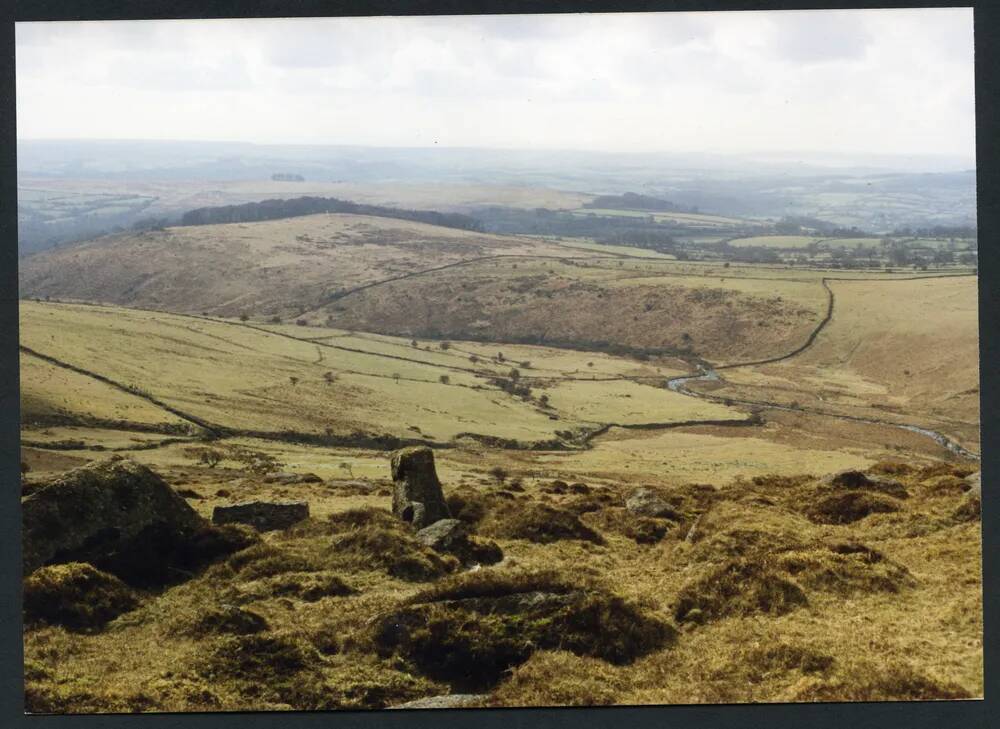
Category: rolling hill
[271,268]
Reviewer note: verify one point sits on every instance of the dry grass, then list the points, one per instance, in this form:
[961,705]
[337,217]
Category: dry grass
[770,606]
[473,628]
[76,596]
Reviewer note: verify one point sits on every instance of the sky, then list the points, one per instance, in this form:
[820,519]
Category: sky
[857,81]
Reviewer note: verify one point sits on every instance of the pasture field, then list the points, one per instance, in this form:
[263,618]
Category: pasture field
[244,379]
[775,241]
[694,220]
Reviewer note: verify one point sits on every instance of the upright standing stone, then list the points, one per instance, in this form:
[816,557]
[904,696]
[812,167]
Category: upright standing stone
[417,497]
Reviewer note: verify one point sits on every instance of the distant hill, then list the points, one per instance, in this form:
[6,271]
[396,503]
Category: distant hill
[299,206]
[634,201]
[268,268]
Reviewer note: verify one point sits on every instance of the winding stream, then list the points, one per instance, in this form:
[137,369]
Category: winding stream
[708,374]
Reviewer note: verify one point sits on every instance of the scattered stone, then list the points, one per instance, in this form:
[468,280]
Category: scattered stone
[451,536]
[646,502]
[417,497]
[444,701]
[262,515]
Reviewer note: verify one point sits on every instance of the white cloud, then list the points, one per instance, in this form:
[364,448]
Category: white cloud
[853,81]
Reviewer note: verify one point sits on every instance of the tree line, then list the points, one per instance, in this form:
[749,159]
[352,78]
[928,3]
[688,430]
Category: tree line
[299,206]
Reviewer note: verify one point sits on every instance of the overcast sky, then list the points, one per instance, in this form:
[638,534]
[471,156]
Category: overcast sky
[892,81]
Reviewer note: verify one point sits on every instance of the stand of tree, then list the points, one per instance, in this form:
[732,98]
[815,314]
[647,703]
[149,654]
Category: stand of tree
[634,201]
[299,206]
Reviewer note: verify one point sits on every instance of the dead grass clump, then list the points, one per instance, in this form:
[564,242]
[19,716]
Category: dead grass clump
[892,468]
[947,485]
[945,469]
[693,498]
[852,480]
[732,530]
[471,629]
[539,523]
[393,550]
[469,506]
[228,619]
[307,586]
[969,510]
[258,657]
[738,588]
[559,678]
[849,507]
[75,595]
[846,568]
[594,501]
[871,681]
[618,520]
[743,542]
[765,661]
[267,560]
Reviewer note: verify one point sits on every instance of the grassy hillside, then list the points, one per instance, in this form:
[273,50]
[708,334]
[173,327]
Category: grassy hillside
[626,304]
[898,350]
[271,268]
[246,379]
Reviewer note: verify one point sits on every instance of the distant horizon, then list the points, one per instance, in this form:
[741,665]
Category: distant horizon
[839,82]
[807,157]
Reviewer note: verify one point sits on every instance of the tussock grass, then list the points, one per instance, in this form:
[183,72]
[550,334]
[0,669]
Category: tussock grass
[536,522]
[875,681]
[849,506]
[473,628]
[738,588]
[775,606]
[75,595]
[617,520]
[228,619]
[559,678]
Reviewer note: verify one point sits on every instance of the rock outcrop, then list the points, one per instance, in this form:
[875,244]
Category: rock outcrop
[646,502]
[452,536]
[122,518]
[444,701]
[417,497]
[263,516]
